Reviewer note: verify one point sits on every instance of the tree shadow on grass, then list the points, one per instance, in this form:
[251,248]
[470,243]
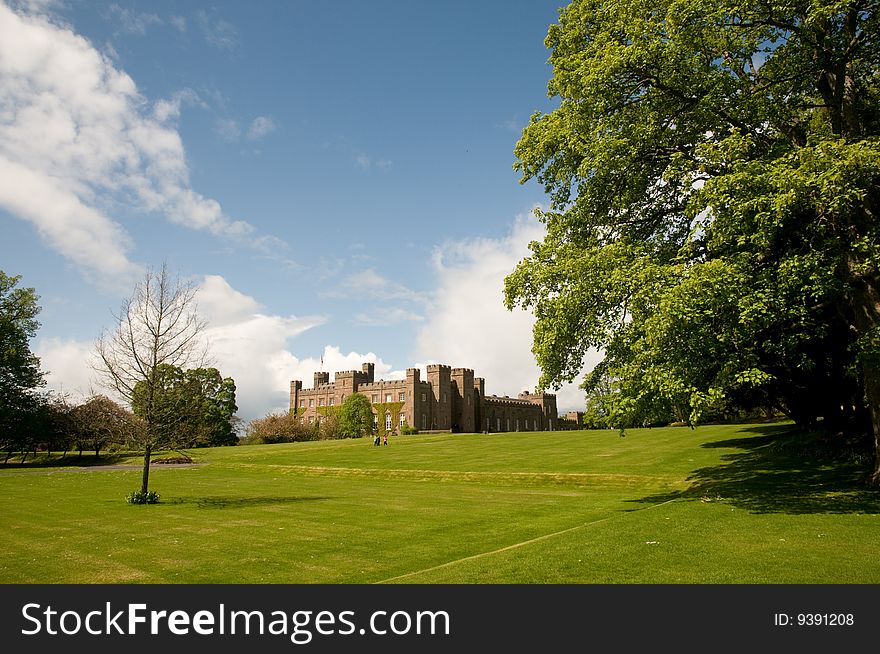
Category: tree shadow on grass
[70,460]
[220,502]
[785,470]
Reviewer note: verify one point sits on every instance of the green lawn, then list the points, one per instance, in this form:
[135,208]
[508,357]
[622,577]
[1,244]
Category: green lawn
[719,504]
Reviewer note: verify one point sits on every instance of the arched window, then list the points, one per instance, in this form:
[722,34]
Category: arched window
[402,419]
[387,420]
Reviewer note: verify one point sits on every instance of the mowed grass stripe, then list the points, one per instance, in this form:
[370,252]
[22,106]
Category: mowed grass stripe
[507,548]
[513,478]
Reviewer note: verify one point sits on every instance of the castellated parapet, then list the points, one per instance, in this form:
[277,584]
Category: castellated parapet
[449,399]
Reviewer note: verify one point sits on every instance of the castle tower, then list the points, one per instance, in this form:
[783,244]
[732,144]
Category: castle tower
[480,404]
[369,371]
[439,377]
[463,405]
[321,378]
[295,387]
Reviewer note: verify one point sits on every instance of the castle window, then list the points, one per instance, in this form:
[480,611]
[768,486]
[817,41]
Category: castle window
[401,397]
[517,425]
[302,404]
[331,401]
[468,399]
[497,424]
[387,420]
[375,420]
[387,397]
[343,396]
[375,398]
[424,420]
[424,397]
[311,402]
[402,419]
[444,398]
[321,401]
[508,424]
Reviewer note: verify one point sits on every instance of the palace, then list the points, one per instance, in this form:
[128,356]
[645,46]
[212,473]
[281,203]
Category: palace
[450,399]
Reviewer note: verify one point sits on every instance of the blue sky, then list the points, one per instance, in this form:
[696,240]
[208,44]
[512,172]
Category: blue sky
[337,177]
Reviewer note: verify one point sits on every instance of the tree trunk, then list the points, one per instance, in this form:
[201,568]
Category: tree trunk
[865,302]
[872,395]
[146,479]
[24,457]
[8,454]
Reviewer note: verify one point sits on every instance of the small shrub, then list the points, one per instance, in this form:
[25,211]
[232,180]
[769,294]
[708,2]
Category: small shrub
[183,458]
[406,430]
[139,497]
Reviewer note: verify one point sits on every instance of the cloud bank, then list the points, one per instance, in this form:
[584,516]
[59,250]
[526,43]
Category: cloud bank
[469,325]
[247,344]
[78,141]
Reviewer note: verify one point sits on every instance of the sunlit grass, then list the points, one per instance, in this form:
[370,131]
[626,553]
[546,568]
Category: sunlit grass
[719,504]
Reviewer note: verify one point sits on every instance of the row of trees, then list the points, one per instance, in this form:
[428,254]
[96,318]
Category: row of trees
[198,408]
[352,419]
[713,173]
[52,423]
[155,360]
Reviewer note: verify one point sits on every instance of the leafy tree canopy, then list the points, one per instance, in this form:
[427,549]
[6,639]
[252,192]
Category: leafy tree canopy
[713,170]
[20,373]
[190,408]
[355,416]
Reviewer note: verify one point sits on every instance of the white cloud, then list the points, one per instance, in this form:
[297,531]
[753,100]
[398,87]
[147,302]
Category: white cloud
[469,324]
[131,22]
[371,284]
[168,110]
[260,127]
[77,140]
[228,129]
[69,365]
[365,162]
[179,23]
[217,32]
[386,317]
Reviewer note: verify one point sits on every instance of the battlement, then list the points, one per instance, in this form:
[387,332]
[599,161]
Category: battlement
[537,395]
[462,370]
[382,383]
[438,366]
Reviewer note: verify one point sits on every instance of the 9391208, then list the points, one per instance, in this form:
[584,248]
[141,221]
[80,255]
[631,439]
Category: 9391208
[813,620]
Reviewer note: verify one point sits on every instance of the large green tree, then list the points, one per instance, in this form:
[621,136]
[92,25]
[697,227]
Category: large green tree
[355,416]
[190,408]
[20,374]
[713,171]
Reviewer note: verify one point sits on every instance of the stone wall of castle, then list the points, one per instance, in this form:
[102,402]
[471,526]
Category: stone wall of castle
[450,399]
